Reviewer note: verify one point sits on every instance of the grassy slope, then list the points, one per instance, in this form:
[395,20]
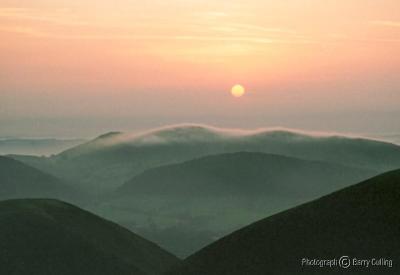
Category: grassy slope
[245,174]
[186,206]
[361,221]
[18,180]
[51,237]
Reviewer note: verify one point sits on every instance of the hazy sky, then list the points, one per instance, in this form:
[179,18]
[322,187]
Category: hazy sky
[79,68]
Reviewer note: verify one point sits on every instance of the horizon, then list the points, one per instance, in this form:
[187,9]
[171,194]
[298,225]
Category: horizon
[70,128]
[80,69]
[225,131]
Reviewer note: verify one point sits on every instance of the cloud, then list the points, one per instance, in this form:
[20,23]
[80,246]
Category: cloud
[386,23]
[57,16]
[212,14]
[40,23]
[23,30]
[205,133]
[250,27]
[37,32]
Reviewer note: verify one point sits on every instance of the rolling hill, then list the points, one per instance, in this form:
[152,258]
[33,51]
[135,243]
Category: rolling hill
[18,180]
[111,159]
[206,198]
[361,222]
[244,174]
[36,146]
[40,236]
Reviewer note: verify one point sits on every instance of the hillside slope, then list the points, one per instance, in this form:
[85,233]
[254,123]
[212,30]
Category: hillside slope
[18,180]
[360,222]
[206,198]
[51,237]
[244,174]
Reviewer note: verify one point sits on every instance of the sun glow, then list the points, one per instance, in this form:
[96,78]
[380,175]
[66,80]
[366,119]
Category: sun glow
[238,90]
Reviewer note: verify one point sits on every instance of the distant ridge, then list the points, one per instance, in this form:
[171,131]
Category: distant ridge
[109,135]
[200,132]
[361,222]
[111,159]
[18,180]
[37,146]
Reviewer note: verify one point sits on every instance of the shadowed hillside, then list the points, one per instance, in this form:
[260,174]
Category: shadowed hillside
[361,222]
[51,237]
[244,174]
[18,180]
[206,198]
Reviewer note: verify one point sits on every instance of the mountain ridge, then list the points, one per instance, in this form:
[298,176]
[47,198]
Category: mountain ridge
[106,163]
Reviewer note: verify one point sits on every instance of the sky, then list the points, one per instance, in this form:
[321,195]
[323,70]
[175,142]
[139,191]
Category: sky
[81,68]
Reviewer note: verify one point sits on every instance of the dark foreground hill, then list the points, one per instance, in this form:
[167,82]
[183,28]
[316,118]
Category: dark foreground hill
[18,180]
[361,222]
[207,198]
[51,237]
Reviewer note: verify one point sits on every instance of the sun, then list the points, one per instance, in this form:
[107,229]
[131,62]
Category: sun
[238,90]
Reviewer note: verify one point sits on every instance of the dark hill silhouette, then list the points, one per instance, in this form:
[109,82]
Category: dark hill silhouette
[361,221]
[50,237]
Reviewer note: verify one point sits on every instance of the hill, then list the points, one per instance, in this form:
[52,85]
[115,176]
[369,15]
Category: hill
[51,237]
[244,174]
[111,159]
[18,180]
[361,222]
[206,198]
[36,146]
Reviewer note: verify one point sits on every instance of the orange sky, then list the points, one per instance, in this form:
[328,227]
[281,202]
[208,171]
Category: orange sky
[179,58]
